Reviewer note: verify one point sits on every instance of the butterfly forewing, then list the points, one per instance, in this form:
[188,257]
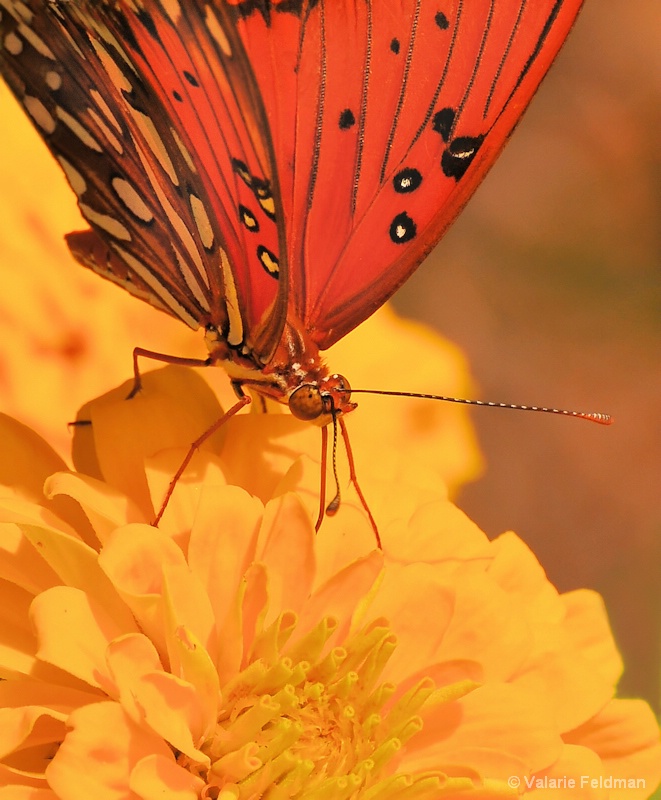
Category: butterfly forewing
[399,115]
[263,165]
[154,115]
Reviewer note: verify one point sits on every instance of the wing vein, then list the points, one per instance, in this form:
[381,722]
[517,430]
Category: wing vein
[402,91]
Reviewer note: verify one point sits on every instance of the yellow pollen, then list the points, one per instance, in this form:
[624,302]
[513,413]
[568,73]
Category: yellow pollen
[314,723]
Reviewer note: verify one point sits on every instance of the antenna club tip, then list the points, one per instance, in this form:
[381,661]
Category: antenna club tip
[601,419]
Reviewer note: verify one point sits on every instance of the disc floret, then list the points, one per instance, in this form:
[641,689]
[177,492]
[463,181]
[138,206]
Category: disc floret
[308,724]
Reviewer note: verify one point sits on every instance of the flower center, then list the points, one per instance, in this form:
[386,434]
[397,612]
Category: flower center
[313,726]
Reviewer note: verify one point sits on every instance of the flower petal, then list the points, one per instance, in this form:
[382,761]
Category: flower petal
[625,735]
[134,559]
[19,565]
[222,543]
[287,550]
[100,752]
[439,532]
[105,507]
[74,631]
[342,593]
[586,624]
[155,777]
[497,730]
[77,565]
[174,407]
[25,793]
[571,773]
[26,460]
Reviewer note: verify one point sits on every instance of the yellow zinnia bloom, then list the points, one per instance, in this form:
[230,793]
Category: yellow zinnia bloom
[234,653]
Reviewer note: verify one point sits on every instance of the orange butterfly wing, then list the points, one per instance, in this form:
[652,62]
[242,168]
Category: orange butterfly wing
[245,163]
[385,117]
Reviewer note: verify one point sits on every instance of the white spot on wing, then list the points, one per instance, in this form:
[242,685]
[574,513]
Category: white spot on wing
[53,80]
[159,290]
[202,221]
[107,36]
[112,140]
[71,42]
[216,30]
[13,44]
[191,280]
[132,200]
[73,176]
[107,223]
[21,11]
[115,74]
[79,130]
[176,222]
[39,113]
[235,333]
[105,110]
[155,143]
[184,151]
[39,45]
[172,9]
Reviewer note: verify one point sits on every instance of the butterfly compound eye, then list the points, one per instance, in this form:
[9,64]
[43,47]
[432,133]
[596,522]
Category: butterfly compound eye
[306,402]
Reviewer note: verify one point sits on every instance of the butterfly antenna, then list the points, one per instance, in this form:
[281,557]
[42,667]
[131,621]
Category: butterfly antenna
[591,416]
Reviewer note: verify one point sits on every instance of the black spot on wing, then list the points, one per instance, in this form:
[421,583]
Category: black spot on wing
[177,96]
[148,23]
[407,180]
[347,119]
[394,46]
[261,188]
[127,35]
[245,8]
[242,171]
[458,157]
[269,261]
[441,20]
[443,121]
[248,219]
[191,78]
[264,195]
[402,229]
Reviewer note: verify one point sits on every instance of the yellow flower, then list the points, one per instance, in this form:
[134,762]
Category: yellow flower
[232,653]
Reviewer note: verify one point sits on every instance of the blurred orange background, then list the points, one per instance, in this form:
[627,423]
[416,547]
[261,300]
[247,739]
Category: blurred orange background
[549,281]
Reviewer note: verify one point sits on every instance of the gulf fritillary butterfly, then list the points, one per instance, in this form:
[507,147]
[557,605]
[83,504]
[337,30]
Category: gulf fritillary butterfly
[273,170]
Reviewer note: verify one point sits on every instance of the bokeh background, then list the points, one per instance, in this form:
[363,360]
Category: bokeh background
[550,282]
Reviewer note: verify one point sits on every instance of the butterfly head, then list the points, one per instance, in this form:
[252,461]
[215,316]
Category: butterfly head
[321,400]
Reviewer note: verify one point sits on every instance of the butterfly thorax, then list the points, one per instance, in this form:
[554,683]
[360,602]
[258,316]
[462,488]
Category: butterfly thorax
[296,374]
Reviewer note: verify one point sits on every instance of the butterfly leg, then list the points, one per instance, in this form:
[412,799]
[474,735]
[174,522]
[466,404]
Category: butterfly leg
[354,480]
[140,352]
[243,401]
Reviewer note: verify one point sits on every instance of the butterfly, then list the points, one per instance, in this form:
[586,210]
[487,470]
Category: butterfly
[273,170]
